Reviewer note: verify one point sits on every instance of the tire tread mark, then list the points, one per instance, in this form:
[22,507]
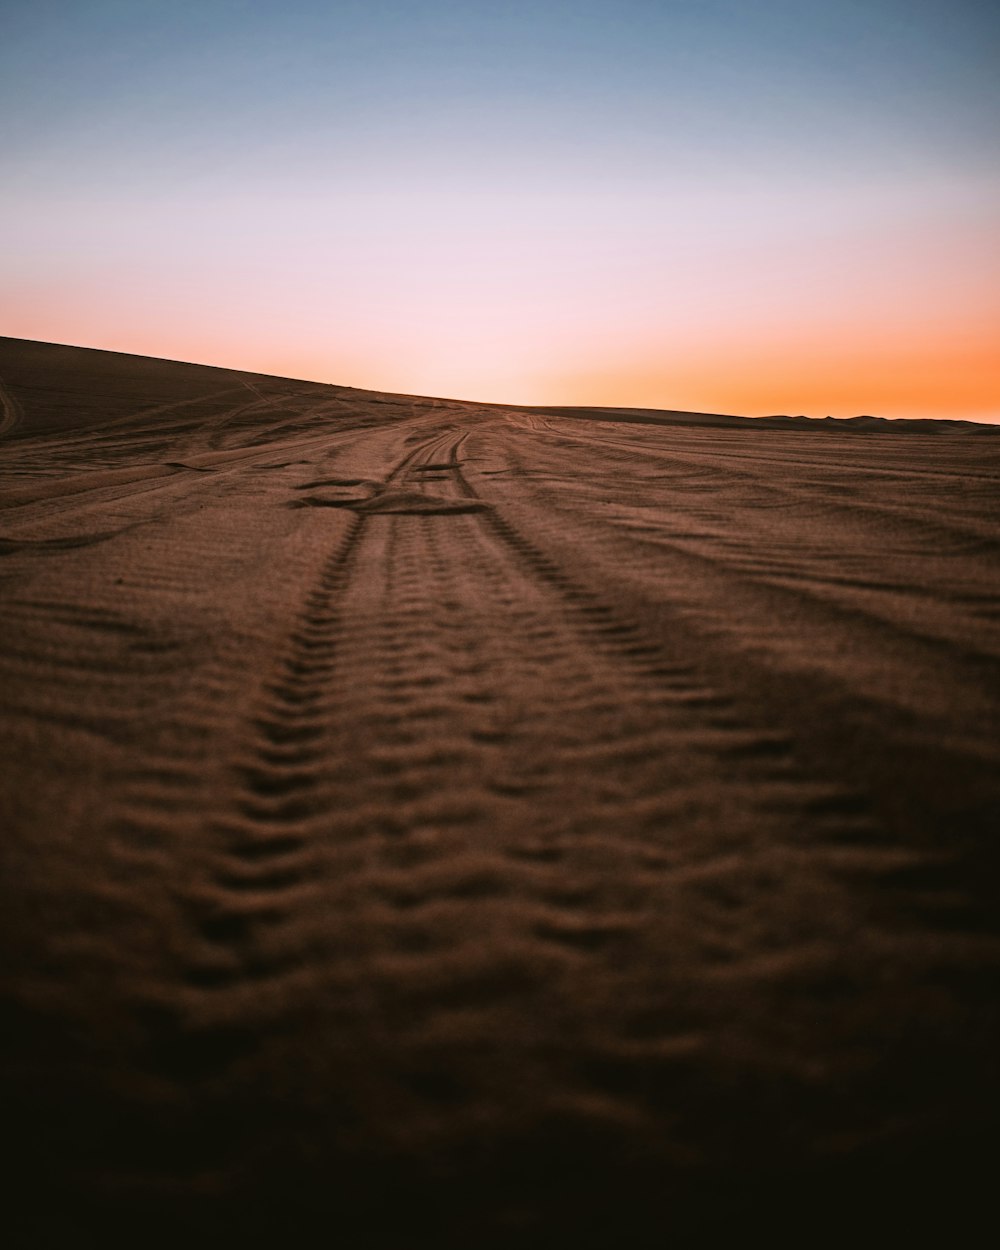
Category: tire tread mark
[846,814]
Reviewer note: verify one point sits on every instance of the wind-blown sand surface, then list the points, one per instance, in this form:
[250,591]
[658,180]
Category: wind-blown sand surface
[444,823]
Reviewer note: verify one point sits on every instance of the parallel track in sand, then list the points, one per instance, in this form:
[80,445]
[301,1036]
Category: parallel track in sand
[477,828]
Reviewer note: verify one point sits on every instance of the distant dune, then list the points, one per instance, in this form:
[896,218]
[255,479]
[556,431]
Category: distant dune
[865,424]
[447,824]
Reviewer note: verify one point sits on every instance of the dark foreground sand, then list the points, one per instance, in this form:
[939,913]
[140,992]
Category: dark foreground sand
[431,823]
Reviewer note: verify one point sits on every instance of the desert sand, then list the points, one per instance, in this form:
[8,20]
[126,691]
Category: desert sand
[447,824]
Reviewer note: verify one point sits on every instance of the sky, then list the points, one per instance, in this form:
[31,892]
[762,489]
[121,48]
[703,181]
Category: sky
[780,206]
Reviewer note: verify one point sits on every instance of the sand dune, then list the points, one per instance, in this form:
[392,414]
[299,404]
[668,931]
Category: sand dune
[464,825]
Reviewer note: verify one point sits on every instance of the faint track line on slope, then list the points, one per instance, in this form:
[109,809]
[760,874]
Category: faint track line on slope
[12,412]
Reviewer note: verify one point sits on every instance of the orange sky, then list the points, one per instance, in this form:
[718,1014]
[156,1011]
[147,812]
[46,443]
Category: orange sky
[935,375]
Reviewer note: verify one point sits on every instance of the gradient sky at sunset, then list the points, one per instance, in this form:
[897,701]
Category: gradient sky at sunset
[778,206]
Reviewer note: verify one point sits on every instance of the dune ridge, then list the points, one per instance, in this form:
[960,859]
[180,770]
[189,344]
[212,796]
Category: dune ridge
[464,824]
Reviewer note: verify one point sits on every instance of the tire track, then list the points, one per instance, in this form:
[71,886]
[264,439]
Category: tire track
[756,569]
[763,752]
[565,915]
[241,943]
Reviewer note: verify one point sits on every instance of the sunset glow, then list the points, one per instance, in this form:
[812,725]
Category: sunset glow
[750,209]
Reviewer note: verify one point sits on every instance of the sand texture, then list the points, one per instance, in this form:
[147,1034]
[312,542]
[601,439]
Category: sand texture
[455,825]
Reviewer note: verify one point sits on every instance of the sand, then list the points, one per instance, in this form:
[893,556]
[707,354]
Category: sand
[440,823]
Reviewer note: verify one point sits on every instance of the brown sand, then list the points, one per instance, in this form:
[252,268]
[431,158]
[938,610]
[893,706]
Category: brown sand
[455,825]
